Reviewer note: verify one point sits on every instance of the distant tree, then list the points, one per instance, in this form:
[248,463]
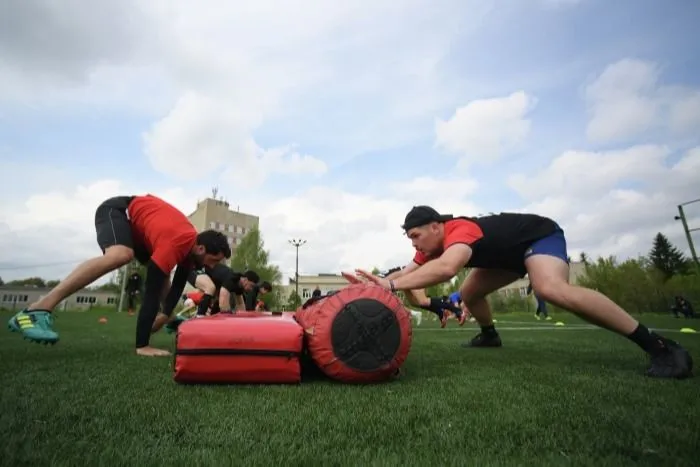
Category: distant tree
[251,254]
[583,257]
[52,283]
[666,258]
[1,282]
[28,282]
[293,301]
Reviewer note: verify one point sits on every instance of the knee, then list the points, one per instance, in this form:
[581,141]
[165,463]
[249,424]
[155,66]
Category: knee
[119,255]
[551,291]
[205,284]
[470,301]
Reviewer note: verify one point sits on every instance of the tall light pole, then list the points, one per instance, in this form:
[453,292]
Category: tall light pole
[297,243]
[681,217]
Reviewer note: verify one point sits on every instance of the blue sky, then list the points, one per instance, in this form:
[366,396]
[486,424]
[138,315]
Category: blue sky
[359,91]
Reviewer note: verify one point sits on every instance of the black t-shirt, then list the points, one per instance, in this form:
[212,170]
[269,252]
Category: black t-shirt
[221,276]
[498,241]
[251,298]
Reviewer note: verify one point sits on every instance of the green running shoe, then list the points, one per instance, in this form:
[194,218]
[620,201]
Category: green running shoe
[35,325]
[172,326]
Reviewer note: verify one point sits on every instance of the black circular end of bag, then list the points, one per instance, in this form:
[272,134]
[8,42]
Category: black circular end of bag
[365,335]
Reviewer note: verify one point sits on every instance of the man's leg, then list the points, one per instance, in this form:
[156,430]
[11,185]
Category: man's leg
[542,307]
[206,285]
[548,269]
[114,238]
[476,287]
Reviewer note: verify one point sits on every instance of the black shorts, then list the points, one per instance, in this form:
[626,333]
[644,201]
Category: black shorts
[113,227]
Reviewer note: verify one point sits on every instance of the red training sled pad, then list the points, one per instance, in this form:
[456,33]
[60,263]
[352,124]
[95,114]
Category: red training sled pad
[249,348]
[360,334]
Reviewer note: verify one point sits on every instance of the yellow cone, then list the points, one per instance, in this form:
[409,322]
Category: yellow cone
[689,330]
[559,323]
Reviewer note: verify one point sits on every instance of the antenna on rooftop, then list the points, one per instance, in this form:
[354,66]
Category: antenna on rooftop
[214,192]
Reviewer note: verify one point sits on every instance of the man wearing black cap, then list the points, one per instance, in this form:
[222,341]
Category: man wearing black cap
[502,248]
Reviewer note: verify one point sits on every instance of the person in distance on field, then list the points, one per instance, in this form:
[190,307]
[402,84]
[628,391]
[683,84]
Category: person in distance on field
[502,248]
[155,233]
[219,282]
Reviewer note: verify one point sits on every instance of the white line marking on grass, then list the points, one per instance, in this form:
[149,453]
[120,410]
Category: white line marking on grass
[568,327]
[500,328]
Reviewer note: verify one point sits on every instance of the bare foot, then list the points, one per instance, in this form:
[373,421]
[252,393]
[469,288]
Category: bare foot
[152,352]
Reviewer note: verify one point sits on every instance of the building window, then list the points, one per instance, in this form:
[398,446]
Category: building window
[13,298]
[212,225]
[85,299]
[111,301]
[238,240]
[230,228]
[229,240]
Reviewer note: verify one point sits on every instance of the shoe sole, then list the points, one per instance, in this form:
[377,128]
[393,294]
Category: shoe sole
[36,341]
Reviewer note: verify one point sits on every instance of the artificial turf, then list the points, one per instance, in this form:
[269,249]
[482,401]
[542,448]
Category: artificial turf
[551,396]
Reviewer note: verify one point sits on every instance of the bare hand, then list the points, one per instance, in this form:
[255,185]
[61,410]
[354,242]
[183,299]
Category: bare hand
[351,278]
[380,281]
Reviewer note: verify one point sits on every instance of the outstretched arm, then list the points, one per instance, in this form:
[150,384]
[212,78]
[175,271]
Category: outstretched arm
[436,271]
[224,300]
[175,292]
[155,279]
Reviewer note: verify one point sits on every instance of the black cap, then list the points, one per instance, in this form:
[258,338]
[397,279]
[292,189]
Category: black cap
[423,215]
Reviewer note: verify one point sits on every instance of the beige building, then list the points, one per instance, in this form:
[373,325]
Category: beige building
[328,282]
[16,298]
[216,213]
[308,283]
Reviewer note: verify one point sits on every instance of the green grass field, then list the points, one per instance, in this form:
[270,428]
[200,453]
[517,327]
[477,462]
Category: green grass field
[551,396]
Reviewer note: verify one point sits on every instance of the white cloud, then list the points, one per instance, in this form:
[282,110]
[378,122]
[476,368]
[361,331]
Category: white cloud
[627,100]
[343,230]
[614,202]
[485,129]
[211,76]
[55,230]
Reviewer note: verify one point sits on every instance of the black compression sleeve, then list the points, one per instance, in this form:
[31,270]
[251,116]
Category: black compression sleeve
[204,304]
[176,288]
[155,279]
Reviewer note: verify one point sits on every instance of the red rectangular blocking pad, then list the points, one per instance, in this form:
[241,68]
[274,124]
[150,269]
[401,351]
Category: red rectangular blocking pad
[245,347]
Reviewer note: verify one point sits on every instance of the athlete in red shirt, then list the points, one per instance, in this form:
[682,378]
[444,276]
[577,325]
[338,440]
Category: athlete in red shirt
[502,248]
[156,234]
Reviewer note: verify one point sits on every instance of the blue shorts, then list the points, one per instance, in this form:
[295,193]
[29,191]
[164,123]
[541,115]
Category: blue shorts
[552,245]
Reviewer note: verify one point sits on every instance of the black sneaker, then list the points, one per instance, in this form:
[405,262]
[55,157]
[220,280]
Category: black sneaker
[671,362]
[482,340]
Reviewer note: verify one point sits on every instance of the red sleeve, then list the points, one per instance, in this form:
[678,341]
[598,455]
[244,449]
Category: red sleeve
[420,258]
[463,232]
[167,255]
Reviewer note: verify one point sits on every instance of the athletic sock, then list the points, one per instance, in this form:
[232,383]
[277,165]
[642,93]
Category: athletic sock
[489,331]
[204,305]
[648,340]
